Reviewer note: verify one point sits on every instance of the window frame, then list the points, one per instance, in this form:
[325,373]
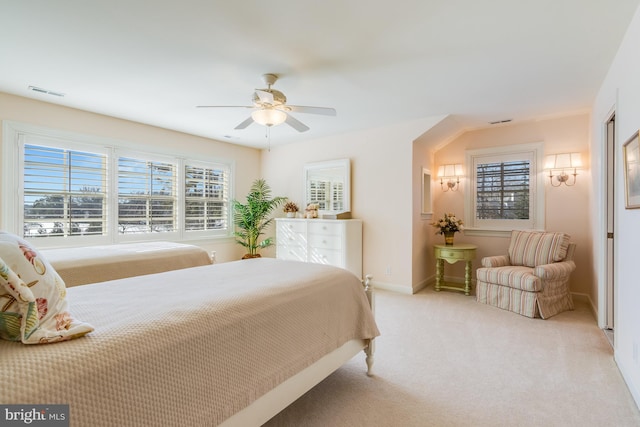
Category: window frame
[16,134]
[534,153]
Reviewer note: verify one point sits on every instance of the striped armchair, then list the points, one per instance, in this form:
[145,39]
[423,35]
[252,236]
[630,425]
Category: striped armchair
[533,279]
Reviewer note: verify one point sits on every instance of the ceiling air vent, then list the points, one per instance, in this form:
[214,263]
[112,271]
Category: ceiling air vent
[45,91]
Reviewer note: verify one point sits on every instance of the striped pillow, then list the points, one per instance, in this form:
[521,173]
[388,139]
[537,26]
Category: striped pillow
[530,248]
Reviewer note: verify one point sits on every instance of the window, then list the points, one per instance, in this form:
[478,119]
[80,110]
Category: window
[502,190]
[63,192]
[146,196]
[206,197]
[506,189]
[328,195]
[77,190]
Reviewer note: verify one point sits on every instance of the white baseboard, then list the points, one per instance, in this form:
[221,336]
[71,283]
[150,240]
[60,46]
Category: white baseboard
[392,287]
[635,393]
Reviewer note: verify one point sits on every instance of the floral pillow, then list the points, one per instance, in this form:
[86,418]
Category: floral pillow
[33,308]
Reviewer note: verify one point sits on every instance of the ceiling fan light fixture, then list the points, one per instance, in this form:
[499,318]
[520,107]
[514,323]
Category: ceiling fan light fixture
[269,117]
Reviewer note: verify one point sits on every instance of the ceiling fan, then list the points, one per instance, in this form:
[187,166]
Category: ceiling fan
[271,109]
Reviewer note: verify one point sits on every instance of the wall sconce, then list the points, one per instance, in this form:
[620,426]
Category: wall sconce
[452,174]
[557,164]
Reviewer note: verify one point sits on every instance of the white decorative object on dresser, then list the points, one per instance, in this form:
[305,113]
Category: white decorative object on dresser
[334,241]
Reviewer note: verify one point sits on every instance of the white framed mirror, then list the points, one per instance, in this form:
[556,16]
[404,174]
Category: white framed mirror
[427,207]
[328,184]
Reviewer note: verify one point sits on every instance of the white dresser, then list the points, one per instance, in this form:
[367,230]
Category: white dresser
[324,241]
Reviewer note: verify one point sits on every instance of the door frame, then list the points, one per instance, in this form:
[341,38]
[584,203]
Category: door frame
[606,289]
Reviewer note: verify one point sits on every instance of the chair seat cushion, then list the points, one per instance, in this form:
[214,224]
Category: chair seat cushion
[518,277]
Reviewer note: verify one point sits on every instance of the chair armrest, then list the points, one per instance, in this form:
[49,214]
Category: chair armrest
[496,261]
[557,270]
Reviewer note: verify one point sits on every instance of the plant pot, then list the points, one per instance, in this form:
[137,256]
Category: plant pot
[249,256]
[448,238]
[291,214]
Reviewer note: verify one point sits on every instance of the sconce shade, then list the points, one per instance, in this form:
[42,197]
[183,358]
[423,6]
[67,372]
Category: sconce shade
[563,161]
[269,116]
[557,163]
[452,173]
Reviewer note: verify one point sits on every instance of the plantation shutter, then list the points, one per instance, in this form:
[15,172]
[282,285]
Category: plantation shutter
[503,190]
[64,192]
[206,197]
[146,196]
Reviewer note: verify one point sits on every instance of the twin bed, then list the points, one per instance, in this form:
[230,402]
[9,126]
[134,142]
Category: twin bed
[216,344]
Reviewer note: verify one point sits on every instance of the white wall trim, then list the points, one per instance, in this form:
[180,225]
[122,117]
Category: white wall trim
[626,376]
[392,287]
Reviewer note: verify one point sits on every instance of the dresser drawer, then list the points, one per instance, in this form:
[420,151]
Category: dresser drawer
[326,256]
[325,228]
[292,226]
[324,241]
[292,252]
[291,233]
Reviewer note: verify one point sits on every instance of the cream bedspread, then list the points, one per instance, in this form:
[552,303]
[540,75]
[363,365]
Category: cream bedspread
[188,347]
[79,266]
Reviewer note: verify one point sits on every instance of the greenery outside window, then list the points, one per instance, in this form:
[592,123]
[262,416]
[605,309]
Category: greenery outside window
[506,190]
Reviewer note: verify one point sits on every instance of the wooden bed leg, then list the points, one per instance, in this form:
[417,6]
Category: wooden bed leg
[369,350]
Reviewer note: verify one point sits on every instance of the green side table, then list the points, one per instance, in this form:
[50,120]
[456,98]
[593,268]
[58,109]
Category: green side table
[452,254]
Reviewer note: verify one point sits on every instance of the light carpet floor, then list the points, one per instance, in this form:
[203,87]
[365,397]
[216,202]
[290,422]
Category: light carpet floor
[445,360]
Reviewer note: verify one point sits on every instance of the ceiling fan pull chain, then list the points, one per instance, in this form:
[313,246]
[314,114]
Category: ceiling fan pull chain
[267,135]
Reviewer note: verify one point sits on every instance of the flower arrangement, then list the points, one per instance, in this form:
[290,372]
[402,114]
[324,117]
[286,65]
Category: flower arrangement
[290,207]
[448,224]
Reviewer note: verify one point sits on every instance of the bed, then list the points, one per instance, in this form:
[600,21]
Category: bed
[83,265]
[223,344]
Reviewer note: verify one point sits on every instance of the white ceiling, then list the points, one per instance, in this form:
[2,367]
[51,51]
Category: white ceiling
[376,63]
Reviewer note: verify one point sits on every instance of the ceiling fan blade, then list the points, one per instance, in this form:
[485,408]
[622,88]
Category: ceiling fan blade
[312,110]
[224,106]
[296,124]
[265,97]
[244,124]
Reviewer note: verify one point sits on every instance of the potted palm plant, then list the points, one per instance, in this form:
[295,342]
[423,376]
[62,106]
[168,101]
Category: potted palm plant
[252,218]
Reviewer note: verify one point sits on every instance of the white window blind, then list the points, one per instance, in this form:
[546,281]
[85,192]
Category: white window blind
[318,192]
[337,196]
[206,197]
[63,192]
[146,196]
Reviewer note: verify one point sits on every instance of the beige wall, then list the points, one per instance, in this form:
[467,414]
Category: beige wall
[247,160]
[567,208]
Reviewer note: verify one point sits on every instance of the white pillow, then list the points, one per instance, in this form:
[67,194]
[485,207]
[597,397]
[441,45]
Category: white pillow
[33,308]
